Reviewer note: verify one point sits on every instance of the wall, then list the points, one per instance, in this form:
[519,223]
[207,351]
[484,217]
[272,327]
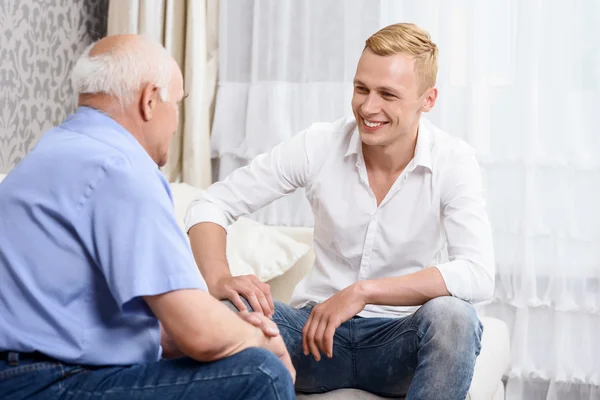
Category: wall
[40,41]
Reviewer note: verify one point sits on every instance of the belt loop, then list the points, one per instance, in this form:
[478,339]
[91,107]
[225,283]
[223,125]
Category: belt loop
[13,358]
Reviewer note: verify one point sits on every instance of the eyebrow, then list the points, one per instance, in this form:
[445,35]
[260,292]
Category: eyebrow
[380,88]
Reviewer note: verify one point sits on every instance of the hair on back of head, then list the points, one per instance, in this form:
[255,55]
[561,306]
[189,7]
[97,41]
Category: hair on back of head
[122,71]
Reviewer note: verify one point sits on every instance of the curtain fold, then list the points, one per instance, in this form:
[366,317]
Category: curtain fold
[189,31]
[518,80]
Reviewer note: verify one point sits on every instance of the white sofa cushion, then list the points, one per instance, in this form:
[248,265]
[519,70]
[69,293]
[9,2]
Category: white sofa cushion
[252,248]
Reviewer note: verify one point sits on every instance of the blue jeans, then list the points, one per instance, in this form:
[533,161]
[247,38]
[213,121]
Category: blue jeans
[427,355]
[251,374]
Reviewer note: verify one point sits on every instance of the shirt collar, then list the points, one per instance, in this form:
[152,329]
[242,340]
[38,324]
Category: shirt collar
[423,148]
[87,120]
[422,155]
[354,147]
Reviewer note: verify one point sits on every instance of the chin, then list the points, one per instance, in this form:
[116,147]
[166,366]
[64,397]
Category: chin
[371,139]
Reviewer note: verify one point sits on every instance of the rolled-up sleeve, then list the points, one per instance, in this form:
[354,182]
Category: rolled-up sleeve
[267,178]
[470,272]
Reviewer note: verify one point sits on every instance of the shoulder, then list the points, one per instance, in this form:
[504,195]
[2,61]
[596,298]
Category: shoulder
[324,137]
[447,150]
[332,131]
[341,125]
[121,182]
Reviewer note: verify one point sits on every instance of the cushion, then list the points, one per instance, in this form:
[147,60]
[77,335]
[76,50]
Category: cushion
[252,248]
[183,194]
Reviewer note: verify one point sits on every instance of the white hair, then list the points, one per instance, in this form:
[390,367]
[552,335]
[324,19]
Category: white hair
[122,71]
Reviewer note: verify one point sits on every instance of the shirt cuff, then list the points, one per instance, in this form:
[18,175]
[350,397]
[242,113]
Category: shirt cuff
[466,281]
[457,283]
[203,211]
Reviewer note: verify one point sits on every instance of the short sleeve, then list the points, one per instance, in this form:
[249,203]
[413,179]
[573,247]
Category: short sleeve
[128,223]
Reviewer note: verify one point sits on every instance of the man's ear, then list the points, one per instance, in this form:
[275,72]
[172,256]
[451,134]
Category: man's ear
[430,96]
[148,101]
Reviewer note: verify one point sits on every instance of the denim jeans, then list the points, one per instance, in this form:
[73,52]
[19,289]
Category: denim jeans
[251,374]
[428,355]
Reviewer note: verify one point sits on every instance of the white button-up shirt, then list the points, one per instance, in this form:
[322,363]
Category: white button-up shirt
[433,215]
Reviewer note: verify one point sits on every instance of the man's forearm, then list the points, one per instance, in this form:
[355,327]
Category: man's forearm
[201,326]
[409,290]
[208,241]
[229,335]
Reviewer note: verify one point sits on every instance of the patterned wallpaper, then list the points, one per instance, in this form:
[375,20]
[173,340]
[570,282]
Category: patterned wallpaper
[40,41]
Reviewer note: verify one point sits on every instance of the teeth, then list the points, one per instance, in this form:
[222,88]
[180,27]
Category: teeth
[372,124]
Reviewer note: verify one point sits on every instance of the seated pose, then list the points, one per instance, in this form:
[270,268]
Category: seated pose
[99,285]
[402,241]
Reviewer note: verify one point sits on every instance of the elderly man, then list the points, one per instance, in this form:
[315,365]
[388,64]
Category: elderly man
[384,309]
[93,265]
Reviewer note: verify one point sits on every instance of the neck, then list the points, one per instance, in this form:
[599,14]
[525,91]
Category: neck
[393,157]
[111,107]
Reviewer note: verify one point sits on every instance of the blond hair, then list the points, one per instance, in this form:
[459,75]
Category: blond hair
[408,39]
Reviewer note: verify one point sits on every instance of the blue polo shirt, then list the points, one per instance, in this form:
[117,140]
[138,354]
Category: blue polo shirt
[87,227]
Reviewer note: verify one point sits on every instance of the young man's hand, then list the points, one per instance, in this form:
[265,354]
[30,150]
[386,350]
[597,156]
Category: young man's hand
[326,317]
[257,293]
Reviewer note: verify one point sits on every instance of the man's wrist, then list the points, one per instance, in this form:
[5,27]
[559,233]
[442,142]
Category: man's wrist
[364,291]
[213,281]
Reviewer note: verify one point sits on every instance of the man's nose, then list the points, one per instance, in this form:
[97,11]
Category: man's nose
[371,105]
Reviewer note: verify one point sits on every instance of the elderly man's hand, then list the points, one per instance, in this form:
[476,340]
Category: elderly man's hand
[326,317]
[277,346]
[268,327]
[274,341]
[257,293]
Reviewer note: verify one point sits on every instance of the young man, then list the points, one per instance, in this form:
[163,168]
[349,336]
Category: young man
[91,257]
[390,193]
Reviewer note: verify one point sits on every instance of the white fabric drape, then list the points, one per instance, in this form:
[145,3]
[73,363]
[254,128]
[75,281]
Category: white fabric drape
[189,31]
[520,81]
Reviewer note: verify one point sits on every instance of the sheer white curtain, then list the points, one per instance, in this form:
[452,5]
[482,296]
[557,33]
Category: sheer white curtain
[520,81]
[284,65]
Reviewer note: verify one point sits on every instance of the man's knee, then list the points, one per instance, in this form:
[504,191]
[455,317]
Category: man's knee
[450,310]
[289,316]
[454,320]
